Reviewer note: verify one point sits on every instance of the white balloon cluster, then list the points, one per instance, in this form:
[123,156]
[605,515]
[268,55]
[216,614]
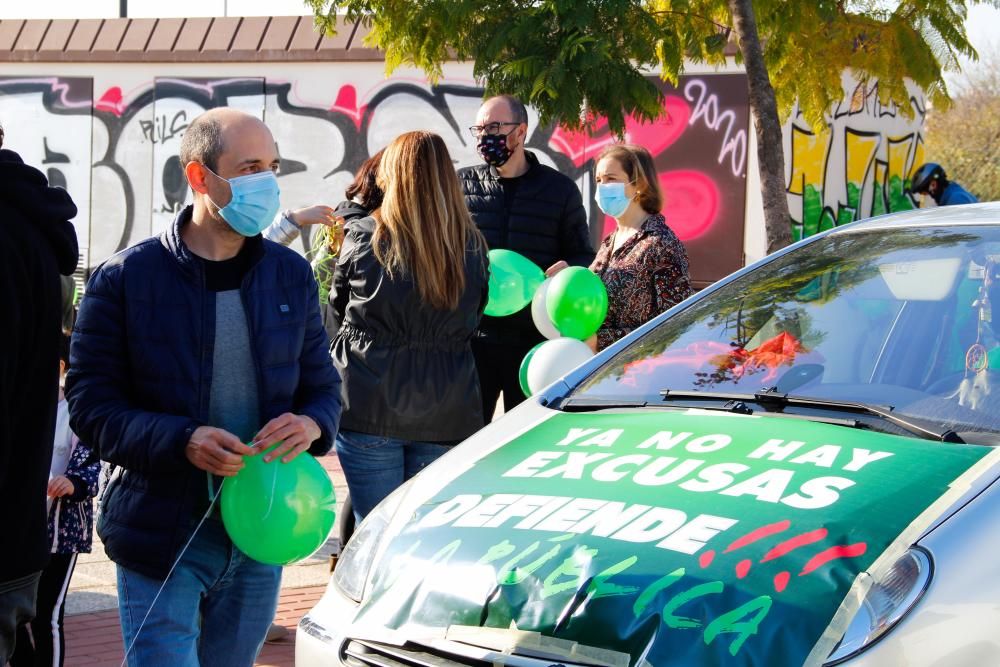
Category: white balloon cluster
[554,358]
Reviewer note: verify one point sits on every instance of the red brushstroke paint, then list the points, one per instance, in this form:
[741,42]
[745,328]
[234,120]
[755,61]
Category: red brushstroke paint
[824,557]
[759,534]
[347,104]
[795,543]
[742,568]
[111,101]
[580,146]
[781,581]
[706,558]
[657,137]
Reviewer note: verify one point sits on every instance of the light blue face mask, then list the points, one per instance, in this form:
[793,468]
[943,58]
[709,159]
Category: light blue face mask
[255,202]
[611,198]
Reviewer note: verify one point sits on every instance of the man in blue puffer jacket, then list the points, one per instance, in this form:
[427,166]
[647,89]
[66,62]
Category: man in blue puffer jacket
[187,346]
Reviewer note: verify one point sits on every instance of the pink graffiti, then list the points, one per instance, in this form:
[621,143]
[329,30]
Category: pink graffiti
[580,146]
[347,104]
[656,137]
[691,202]
[111,101]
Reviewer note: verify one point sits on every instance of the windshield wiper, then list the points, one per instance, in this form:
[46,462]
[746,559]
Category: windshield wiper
[773,400]
[588,404]
[738,407]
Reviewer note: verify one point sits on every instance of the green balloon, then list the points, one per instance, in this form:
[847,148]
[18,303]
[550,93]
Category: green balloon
[577,302]
[522,373]
[513,281]
[279,513]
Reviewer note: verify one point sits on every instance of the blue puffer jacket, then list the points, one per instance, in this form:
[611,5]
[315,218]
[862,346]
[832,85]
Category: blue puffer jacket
[140,376]
[955,194]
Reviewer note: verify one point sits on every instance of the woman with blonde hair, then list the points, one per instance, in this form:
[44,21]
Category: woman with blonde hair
[408,292]
[642,263]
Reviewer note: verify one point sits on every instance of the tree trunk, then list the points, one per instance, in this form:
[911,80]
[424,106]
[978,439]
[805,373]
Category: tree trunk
[777,220]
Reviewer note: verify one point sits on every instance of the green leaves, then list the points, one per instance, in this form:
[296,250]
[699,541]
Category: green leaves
[567,56]
[964,137]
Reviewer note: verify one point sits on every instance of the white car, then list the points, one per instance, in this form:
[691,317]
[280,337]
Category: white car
[794,466]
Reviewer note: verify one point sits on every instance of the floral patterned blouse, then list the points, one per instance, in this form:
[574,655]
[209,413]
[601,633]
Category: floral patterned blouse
[647,275]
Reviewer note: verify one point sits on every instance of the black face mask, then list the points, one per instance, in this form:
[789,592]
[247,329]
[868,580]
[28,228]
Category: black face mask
[493,149]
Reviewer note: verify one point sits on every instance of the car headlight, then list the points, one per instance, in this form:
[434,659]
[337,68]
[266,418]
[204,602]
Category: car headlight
[356,560]
[888,600]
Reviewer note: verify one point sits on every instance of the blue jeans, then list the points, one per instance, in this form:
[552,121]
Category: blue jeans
[215,608]
[376,465]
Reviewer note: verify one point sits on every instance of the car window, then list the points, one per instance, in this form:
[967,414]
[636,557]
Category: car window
[893,317]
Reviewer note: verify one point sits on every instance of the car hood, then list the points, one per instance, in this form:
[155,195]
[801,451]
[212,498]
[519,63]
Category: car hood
[663,537]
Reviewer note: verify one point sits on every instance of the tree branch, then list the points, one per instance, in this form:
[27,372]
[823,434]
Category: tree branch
[727,28]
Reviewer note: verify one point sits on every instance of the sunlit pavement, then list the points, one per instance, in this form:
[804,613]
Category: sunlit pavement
[93,636]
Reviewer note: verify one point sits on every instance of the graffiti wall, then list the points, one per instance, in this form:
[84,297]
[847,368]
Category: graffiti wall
[858,165]
[110,134]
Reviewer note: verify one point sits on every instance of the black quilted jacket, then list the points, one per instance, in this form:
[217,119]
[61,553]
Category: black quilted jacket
[544,220]
[407,367]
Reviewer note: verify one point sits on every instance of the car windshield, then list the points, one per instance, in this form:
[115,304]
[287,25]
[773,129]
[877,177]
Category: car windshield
[906,318]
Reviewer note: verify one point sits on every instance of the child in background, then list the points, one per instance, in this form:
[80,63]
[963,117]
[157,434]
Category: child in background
[72,485]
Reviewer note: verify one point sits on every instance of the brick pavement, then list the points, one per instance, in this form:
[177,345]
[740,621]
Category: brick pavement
[93,639]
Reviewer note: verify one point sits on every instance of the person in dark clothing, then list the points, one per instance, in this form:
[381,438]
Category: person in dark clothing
[527,207]
[72,484]
[186,347]
[363,197]
[37,245]
[408,292]
[930,179]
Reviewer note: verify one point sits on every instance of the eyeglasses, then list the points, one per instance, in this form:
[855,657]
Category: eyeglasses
[490,129]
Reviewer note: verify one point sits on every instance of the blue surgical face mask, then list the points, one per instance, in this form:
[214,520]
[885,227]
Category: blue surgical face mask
[611,198]
[254,204]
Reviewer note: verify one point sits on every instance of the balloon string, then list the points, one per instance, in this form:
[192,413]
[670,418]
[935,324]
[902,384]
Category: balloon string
[156,597]
[274,485]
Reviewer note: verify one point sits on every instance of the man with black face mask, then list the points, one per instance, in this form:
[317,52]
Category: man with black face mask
[529,208]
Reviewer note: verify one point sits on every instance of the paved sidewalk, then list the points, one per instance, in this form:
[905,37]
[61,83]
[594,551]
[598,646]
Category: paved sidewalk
[94,639]
[93,636]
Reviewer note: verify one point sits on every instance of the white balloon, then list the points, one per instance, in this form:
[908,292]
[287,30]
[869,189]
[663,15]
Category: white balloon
[540,313]
[554,359]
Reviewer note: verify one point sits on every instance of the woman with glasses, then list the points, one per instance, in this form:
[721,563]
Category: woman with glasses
[642,263]
[408,292]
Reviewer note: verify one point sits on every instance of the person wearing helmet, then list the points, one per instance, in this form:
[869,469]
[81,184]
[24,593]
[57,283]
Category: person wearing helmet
[930,179]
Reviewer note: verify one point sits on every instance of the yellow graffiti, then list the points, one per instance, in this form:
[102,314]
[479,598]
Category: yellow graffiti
[899,150]
[880,173]
[808,159]
[918,157]
[860,154]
